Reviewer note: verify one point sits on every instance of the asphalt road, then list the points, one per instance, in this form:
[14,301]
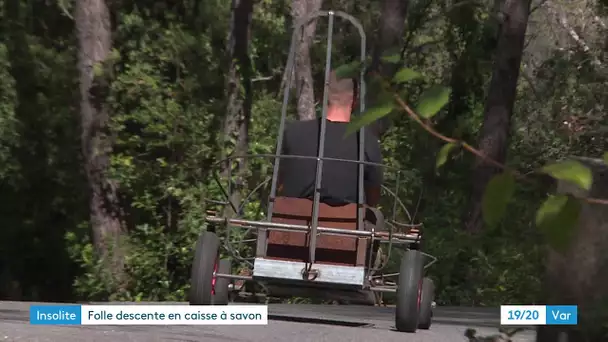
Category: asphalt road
[292,323]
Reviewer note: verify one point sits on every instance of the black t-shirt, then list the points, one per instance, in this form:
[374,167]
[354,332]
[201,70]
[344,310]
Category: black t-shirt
[339,181]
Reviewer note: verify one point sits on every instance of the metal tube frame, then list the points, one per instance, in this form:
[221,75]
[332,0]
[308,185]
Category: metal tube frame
[314,230]
[238,208]
[408,238]
[262,237]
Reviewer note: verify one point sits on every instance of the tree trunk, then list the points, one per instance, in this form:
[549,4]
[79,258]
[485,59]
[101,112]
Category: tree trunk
[238,88]
[305,95]
[578,275]
[392,25]
[467,76]
[93,28]
[494,136]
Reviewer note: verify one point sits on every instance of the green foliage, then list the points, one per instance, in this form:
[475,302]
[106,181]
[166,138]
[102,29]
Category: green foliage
[498,193]
[489,259]
[557,218]
[350,70]
[432,100]
[444,153]
[606,157]
[571,171]
[406,75]
[166,93]
[394,58]
[167,99]
[369,116]
[8,121]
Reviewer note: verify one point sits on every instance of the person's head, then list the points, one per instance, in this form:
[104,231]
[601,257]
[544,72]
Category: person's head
[341,95]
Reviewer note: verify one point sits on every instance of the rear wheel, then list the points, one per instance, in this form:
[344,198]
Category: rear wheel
[409,288]
[204,264]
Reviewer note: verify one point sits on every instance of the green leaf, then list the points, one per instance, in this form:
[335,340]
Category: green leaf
[350,70]
[395,58]
[571,171]
[368,117]
[98,69]
[406,75]
[606,158]
[432,100]
[443,154]
[498,193]
[557,218]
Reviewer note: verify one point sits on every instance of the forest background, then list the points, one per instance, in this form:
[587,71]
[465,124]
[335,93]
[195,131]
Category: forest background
[113,112]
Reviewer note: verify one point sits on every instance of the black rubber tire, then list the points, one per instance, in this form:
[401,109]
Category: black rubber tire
[222,292]
[408,287]
[205,256]
[425,316]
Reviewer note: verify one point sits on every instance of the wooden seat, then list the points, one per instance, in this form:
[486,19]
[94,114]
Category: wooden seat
[331,249]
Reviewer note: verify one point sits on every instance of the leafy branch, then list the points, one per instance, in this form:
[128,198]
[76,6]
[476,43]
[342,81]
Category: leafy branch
[556,216]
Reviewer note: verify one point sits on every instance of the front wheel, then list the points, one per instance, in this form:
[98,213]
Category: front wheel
[409,288]
[426,304]
[204,264]
[221,290]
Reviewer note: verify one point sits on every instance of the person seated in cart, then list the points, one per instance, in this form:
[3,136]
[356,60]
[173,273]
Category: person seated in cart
[340,179]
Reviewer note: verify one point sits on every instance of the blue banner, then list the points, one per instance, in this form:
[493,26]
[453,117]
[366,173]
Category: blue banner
[55,314]
[562,315]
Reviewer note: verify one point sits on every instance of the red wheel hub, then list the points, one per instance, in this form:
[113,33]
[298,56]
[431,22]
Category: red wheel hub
[419,295]
[214,278]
